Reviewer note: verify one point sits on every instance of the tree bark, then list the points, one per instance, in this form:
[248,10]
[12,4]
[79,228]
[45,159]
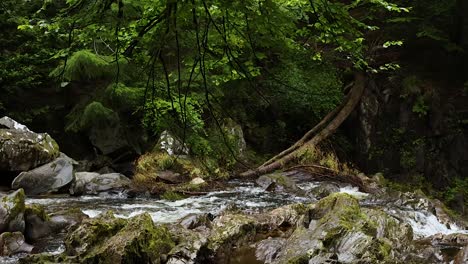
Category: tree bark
[330,123]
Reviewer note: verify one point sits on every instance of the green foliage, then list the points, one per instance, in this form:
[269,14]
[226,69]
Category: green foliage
[171,196]
[84,65]
[420,107]
[125,98]
[94,114]
[458,190]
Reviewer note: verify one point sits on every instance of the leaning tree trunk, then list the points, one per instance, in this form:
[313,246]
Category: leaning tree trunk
[325,128]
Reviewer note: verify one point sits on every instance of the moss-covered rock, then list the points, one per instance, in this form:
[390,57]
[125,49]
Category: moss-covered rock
[37,222]
[12,212]
[340,230]
[22,149]
[13,243]
[276,182]
[108,239]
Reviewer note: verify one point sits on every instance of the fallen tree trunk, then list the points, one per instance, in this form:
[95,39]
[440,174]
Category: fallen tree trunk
[328,126]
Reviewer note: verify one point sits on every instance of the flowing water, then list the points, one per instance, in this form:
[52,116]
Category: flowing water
[245,196]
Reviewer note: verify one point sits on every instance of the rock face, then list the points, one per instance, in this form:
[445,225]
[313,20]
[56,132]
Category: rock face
[12,212]
[13,243]
[94,183]
[171,145]
[46,178]
[107,239]
[22,149]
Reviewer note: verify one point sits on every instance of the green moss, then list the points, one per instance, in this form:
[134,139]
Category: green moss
[38,210]
[139,241]
[171,196]
[93,231]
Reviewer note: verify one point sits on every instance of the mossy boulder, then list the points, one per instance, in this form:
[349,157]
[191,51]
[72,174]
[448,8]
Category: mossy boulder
[231,230]
[12,212]
[277,182]
[13,243]
[22,149]
[112,240]
[340,230]
[37,221]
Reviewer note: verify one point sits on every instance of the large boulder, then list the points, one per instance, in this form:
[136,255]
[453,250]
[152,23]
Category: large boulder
[22,149]
[94,183]
[46,178]
[340,231]
[12,212]
[107,239]
[13,243]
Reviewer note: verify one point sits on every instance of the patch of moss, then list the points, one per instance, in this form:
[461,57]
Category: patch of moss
[171,196]
[36,209]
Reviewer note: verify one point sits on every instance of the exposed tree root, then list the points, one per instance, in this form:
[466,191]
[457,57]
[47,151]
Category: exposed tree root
[320,132]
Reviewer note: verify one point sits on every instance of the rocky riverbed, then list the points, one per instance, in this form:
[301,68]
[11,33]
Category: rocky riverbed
[56,212]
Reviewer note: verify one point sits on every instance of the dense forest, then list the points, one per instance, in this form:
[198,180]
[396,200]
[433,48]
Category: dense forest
[214,131]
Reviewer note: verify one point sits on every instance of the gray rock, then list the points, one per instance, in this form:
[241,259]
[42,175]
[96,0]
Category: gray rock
[46,178]
[12,212]
[234,132]
[94,183]
[22,149]
[66,219]
[193,221]
[37,223]
[323,190]
[276,182]
[13,243]
[170,144]
[9,123]
[341,232]
[172,177]
[268,249]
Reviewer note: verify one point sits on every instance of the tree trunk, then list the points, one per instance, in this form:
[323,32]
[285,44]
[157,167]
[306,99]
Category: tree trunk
[330,123]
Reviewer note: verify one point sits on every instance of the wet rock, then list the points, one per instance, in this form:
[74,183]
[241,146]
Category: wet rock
[286,216]
[231,230]
[462,256]
[268,249]
[188,247]
[66,219]
[276,182]
[37,223]
[323,190]
[94,183]
[341,231]
[193,221]
[12,212]
[13,243]
[172,177]
[22,149]
[46,178]
[171,145]
[110,240]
